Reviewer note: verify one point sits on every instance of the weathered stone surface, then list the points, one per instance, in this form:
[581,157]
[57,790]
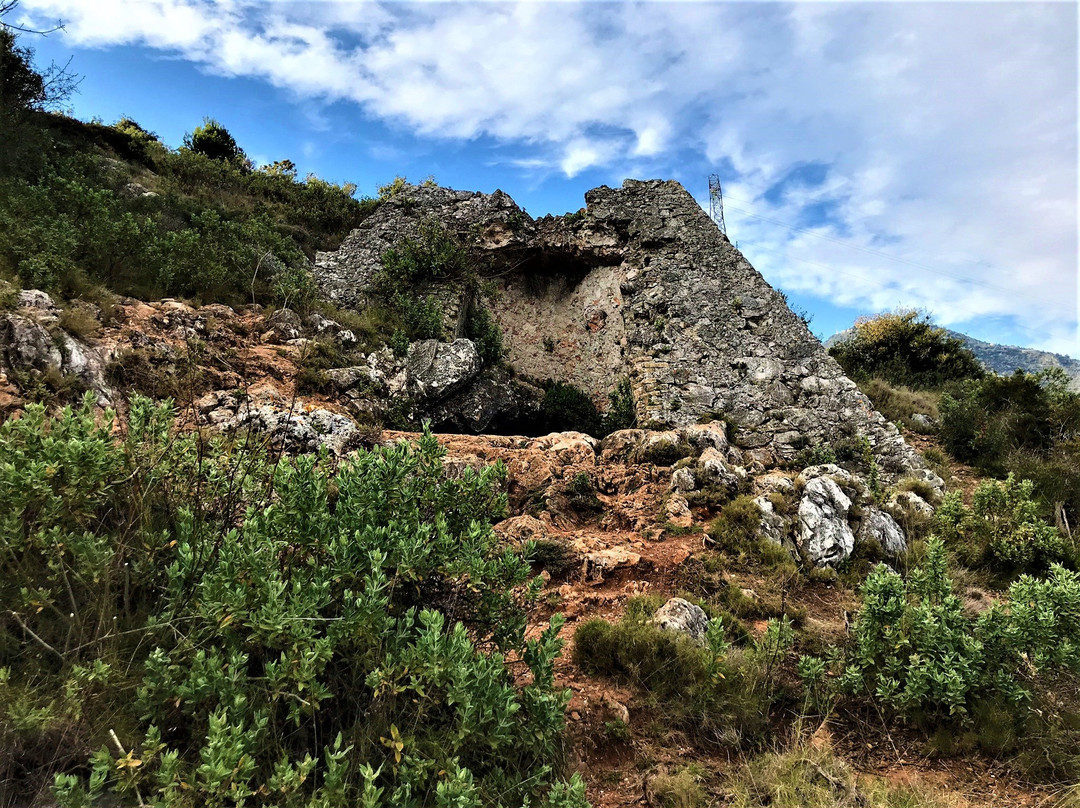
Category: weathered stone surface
[910,503]
[294,431]
[826,470]
[283,325]
[714,470]
[773,526]
[643,285]
[40,302]
[677,510]
[683,617]
[492,398]
[27,345]
[683,480]
[435,369]
[520,529]
[824,532]
[881,527]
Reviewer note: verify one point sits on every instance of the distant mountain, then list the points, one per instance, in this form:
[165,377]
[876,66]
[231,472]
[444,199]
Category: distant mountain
[1001,359]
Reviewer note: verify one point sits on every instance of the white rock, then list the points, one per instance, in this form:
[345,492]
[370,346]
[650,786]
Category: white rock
[683,617]
[823,529]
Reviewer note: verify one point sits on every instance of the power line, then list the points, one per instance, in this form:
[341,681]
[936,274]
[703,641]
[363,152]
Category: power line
[878,253]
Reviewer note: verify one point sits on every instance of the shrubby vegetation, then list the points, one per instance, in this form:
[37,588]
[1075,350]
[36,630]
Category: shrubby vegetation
[917,651]
[719,693]
[86,205]
[905,349]
[222,627]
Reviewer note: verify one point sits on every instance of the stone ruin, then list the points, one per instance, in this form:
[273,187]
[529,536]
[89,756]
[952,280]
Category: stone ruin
[640,284]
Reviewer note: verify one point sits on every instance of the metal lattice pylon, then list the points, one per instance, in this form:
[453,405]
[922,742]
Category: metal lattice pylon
[716,202]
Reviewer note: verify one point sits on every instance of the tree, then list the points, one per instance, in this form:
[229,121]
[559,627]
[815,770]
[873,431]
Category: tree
[215,141]
[22,87]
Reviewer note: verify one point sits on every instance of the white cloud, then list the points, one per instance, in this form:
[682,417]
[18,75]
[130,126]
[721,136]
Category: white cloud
[949,130]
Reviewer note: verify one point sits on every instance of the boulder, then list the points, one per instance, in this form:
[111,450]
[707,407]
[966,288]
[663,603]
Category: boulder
[520,529]
[910,504]
[621,444]
[826,470]
[40,303]
[283,325]
[683,480]
[295,431]
[714,470]
[881,527]
[677,510]
[824,532]
[493,397]
[683,617]
[435,369]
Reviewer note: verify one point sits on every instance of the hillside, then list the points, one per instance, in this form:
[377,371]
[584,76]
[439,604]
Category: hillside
[418,501]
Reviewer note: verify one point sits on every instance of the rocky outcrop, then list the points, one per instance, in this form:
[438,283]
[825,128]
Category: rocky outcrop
[641,285]
[32,341]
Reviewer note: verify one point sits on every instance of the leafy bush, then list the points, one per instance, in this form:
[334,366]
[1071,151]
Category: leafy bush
[279,632]
[1003,529]
[216,142]
[918,652]
[212,229]
[622,411]
[738,526]
[905,349]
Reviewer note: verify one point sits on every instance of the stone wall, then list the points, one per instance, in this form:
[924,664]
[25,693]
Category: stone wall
[645,286]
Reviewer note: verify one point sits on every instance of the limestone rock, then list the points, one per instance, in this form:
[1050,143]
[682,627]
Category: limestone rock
[773,526]
[619,445]
[824,532]
[683,481]
[435,369]
[520,529]
[714,470]
[881,527]
[26,344]
[493,398]
[911,504]
[642,285]
[683,617]
[677,510]
[40,302]
[826,470]
[283,325]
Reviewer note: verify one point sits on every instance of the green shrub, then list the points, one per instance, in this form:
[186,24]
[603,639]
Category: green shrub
[1003,530]
[622,411]
[905,349]
[919,653]
[214,141]
[281,632]
[738,526]
[482,329]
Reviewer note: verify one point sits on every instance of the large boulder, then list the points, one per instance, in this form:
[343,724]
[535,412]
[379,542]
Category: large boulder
[882,528]
[435,369]
[773,525]
[824,532]
[683,617]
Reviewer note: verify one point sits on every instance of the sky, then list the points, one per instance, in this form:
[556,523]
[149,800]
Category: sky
[873,156]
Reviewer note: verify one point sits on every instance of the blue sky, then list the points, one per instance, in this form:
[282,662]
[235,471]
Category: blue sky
[873,155]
